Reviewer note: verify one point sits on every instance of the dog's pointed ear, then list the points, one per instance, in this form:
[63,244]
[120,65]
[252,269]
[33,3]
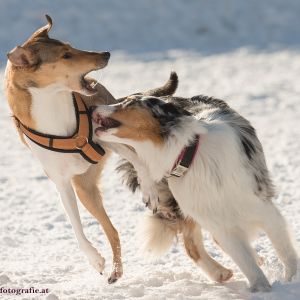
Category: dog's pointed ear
[43,31]
[21,57]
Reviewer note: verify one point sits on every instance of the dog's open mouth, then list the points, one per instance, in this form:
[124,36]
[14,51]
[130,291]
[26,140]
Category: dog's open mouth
[88,83]
[105,123]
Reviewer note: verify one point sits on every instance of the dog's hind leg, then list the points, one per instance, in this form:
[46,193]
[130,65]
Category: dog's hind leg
[236,245]
[259,259]
[275,227]
[89,194]
[192,237]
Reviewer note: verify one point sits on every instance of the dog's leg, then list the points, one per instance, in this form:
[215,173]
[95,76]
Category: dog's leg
[259,259]
[238,248]
[192,237]
[89,194]
[275,227]
[70,204]
[148,186]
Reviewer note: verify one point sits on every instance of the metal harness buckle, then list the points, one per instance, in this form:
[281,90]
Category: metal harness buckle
[80,142]
[178,171]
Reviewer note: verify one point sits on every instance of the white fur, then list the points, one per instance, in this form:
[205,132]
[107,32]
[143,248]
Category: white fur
[156,236]
[53,111]
[218,192]
[147,184]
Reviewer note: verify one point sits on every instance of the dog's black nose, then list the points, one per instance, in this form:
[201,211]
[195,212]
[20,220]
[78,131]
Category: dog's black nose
[106,54]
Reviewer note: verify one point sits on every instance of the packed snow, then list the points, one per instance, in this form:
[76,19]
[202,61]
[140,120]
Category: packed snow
[246,52]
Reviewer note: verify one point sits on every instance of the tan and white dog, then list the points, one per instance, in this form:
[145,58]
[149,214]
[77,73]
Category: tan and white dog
[215,168]
[40,77]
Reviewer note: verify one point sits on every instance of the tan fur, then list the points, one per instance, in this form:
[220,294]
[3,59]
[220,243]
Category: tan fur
[40,62]
[137,124]
[189,243]
[90,196]
[18,80]
[186,227]
[18,96]
[193,242]
[82,62]
[19,100]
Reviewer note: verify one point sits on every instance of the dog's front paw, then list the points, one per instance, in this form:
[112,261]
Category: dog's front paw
[116,273]
[222,274]
[96,260]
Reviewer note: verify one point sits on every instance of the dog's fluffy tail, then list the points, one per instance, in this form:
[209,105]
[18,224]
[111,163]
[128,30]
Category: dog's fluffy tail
[168,89]
[157,235]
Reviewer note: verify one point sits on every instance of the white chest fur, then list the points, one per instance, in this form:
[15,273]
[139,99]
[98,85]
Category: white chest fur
[53,111]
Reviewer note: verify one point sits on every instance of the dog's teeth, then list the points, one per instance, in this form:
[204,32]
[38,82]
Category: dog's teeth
[93,84]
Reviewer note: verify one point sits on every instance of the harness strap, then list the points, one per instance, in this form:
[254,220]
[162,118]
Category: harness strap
[81,142]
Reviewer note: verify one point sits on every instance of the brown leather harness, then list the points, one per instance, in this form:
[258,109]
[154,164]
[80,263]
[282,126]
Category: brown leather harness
[80,142]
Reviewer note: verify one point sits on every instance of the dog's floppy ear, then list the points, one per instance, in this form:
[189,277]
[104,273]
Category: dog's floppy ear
[21,57]
[43,31]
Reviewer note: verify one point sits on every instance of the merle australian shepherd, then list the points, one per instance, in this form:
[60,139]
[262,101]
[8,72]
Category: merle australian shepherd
[226,189]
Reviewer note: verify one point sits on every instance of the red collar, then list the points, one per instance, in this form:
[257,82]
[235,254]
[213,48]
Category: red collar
[185,158]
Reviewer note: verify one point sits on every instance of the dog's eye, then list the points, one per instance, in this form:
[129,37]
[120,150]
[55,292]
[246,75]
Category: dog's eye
[67,55]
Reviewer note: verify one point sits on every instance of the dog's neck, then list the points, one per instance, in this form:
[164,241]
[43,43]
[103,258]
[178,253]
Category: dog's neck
[52,110]
[19,98]
[160,159]
[48,110]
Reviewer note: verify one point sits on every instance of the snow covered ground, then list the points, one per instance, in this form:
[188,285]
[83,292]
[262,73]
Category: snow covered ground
[246,52]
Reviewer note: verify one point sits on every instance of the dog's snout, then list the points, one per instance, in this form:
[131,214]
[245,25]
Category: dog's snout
[106,55]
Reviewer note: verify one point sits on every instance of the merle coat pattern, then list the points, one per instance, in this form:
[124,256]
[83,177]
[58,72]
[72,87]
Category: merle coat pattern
[227,189]
[214,108]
